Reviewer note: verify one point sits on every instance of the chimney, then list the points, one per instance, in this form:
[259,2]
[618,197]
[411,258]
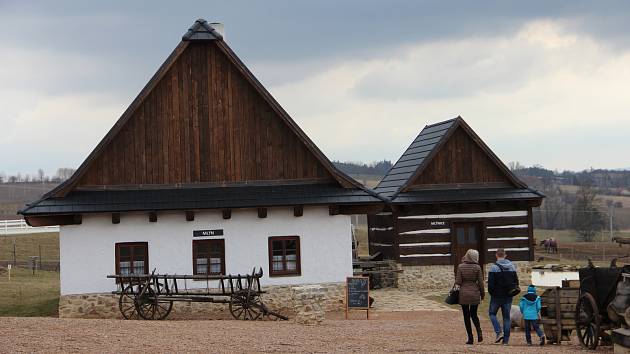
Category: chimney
[219,28]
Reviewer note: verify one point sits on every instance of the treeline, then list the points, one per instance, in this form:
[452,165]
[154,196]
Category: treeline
[606,180]
[62,174]
[379,168]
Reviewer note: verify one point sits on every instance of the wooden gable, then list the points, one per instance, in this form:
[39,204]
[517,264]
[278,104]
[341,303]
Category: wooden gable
[203,118]
[462,160]
[203,122]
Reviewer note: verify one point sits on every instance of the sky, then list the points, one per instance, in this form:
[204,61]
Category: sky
[540,82]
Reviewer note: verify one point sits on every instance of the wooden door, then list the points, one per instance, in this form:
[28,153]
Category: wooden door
[464,237]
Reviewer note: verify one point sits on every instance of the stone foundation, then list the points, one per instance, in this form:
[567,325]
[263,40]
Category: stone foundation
[308,304]
[442,277]
[277,298]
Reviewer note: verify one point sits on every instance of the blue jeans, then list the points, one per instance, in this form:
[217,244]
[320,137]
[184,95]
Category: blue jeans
[528,330]
[505,304]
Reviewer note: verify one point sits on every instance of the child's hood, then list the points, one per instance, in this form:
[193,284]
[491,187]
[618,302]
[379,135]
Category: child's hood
[530,297]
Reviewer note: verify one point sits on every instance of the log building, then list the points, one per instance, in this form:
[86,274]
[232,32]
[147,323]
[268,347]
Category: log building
[447,193]
[204,173]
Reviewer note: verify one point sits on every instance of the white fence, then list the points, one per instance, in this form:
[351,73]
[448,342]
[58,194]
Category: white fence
[8,227]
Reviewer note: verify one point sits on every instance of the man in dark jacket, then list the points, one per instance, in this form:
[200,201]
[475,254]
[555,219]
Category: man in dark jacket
[501,278]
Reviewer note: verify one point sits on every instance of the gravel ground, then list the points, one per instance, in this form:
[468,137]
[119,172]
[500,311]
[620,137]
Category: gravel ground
[418,331]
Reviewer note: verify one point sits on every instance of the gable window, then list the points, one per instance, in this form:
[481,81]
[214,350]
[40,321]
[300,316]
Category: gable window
[284,255]
[132,258]
[209,257]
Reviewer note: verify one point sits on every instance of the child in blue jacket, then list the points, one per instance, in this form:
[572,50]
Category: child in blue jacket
[530,306]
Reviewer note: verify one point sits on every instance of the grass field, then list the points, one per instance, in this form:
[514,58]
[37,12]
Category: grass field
[27,245]
[28,294]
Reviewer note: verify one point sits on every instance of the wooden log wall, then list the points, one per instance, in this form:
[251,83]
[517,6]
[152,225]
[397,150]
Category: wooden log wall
[203,122]
[428,239]
[381,235]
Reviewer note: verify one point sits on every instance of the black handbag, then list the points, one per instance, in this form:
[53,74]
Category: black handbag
[513,289]
[453,296]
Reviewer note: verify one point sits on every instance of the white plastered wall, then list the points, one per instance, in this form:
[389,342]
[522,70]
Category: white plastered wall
[87,251]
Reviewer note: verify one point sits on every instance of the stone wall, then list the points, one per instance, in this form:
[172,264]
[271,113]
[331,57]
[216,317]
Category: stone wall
[442,277]
[277,298]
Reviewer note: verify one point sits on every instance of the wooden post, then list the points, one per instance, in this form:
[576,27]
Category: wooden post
[346,300]
[558,316]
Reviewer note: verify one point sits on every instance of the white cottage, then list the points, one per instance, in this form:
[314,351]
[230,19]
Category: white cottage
[204,173]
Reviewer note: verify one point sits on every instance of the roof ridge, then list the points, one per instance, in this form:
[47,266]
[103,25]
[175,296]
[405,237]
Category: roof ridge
[201,31]
[442,122]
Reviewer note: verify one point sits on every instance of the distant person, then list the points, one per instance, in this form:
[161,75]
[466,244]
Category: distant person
[501,278]
[530,306]
[469,277]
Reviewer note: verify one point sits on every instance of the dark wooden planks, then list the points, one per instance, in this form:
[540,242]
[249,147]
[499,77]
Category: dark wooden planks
[507,232]
[425,249]
[460,161]
[507,243]
[417,238]
[430,260]
[203,121]
[511,255]
[405,225]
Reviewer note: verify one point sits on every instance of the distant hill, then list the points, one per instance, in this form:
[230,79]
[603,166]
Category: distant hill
[614,180]
[378,168]
[14,196]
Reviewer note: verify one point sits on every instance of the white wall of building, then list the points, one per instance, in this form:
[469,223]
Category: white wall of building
[87,251]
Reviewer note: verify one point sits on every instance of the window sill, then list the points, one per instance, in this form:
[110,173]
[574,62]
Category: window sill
[285,275]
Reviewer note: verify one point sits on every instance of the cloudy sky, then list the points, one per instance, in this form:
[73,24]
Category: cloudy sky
[541,84]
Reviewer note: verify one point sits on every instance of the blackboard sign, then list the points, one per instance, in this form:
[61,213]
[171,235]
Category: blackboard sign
[357,293]
[201,233]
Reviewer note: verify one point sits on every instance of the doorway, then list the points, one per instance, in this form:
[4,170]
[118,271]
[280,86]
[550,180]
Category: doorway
[466,235]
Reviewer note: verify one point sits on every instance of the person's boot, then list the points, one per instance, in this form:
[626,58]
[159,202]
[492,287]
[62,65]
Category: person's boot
[470,340]
[499,338]
[479,335]
[542,340]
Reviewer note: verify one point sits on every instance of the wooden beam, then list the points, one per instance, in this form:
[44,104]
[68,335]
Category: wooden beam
[361,209]
[73,219]
[190,215]
[227,213]
[333,210]
[153,216]
[262,213]
[298,210]
[115,218]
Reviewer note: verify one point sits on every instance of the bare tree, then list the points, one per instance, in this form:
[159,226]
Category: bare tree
[41,174]
[64,173]
[587,218]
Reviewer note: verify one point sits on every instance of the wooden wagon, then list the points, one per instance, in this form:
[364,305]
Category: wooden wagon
[558,312]
[598,290]
[151,296]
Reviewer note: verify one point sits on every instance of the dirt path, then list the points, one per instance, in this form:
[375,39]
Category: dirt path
[414,332]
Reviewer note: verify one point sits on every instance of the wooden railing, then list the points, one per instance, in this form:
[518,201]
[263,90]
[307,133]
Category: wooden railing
[19,226]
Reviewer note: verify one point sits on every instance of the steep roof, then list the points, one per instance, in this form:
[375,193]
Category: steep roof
[199,34]
[421,153]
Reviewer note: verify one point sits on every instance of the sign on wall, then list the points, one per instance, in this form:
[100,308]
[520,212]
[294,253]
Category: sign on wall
[202,233]
[438,223]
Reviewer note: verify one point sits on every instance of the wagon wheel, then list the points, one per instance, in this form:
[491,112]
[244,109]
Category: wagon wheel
[127,303]
[244,306]
[150,307]
[587,321]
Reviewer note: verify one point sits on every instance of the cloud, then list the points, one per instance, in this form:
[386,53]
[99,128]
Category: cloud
[53,131]
[544,86]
